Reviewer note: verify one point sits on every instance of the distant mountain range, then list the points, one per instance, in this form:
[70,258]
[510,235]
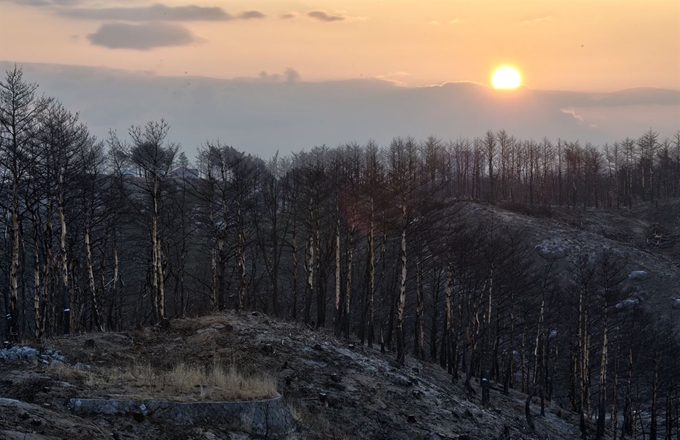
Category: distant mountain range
[261,116]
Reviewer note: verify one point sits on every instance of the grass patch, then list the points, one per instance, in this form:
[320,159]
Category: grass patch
[182,383]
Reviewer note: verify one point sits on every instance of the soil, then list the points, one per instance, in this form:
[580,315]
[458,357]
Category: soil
[335,389]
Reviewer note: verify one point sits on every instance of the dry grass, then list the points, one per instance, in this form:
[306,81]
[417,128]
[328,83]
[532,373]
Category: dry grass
[183,382]
[66,372]
[219,383]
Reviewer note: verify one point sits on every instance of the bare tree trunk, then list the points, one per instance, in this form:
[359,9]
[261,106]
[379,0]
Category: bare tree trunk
[72,303]
[486,364]
[155,255]
[402,294]
[294,269]
[448,323]
[338,311]
[62,237]
[419,345]
[615,390]
[507,378]
[36,283]
[603,377]
[213,279]
[13,327]
[241,252]
[655,398]
[221,274]
[371,278]
[90,277]
[628,421]
[320,277]
[348,281]
[309,268]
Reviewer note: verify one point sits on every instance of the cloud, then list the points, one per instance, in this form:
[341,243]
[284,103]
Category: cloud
[326,17]
[392,78]
[141,36]
[288,15]
[262,117]
[573,114]
[290,75]
[43,3]
[537,20]
[156,12]
[435,23]
[456,21]
[249,15]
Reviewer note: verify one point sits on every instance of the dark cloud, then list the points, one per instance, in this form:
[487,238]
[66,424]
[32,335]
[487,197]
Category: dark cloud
[156,12]
[42,3]
[249,15]
[273,77]
[288,15]
[141,36]
[324,16]
[292,75]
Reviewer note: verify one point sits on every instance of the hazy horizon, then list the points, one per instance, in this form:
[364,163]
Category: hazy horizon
[285,113]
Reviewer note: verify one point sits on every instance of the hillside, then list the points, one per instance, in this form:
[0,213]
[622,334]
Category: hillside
[335,389]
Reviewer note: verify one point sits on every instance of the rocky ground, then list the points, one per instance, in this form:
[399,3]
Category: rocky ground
[334,389]
[647,238]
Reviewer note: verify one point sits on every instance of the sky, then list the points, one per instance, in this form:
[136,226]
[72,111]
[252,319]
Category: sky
[593,45]
[282,75]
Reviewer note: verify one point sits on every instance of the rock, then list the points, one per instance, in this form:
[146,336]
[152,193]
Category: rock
[317,347]
[89,343]
[627,303]
[265,417]
[676,304]
[638,275]
[336,386]
[268,349]
[550,254]
[411,418]
[164,324]
[335,401]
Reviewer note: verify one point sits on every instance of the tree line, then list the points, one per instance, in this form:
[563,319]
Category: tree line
[381,243]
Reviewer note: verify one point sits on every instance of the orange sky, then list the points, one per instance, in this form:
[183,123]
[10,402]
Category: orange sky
[599,45]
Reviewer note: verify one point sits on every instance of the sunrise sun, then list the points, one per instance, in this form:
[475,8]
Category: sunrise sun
[506,77]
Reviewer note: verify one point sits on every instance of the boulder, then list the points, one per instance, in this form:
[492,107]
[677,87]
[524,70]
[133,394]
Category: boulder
[638,275]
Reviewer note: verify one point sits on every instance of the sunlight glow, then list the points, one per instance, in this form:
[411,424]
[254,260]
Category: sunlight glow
[506,77]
